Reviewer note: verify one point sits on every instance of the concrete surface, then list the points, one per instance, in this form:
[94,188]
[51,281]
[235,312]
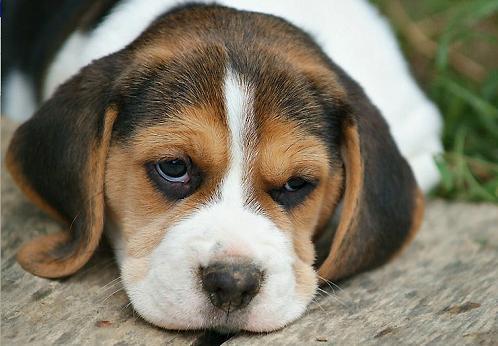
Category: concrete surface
[442,290]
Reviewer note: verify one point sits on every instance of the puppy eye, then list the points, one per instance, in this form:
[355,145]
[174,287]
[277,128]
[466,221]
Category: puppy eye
[176,179]
[174,171]
[294,184]
[294,192]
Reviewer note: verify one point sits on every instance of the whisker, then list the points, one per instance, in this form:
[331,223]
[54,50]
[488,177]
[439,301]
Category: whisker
[112,282]
[325,292]
[330,283]
[113,293]
[332,295]
[314,301]
[126,306]
[110,287]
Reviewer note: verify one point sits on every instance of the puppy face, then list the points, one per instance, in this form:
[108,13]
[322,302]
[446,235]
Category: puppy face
[215,153]
[228,175]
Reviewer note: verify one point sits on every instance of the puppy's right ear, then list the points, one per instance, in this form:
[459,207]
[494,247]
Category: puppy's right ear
[58,160]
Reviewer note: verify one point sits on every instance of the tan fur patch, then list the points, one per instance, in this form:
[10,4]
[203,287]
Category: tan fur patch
[143,212]
[331,267]
[135,269]
[286,151]
[306,279]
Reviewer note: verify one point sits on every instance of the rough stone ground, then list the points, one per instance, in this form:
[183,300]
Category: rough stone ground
[442,290]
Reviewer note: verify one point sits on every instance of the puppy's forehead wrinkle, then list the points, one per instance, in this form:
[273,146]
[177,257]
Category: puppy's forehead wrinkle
[155,92]
[271,87]
[283,91]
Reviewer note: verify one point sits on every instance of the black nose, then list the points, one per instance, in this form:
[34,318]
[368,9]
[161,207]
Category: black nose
[231,286]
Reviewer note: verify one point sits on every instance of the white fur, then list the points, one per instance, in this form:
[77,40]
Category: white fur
[121,27]
[239,112]
[18,101]
[351,32]
[171,294]
[68,61]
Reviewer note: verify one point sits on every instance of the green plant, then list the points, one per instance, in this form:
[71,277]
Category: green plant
[453,48]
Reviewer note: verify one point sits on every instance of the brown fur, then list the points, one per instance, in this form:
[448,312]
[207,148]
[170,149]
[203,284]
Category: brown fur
[39,256]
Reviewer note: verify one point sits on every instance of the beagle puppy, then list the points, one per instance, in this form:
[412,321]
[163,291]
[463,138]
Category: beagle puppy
[213,145]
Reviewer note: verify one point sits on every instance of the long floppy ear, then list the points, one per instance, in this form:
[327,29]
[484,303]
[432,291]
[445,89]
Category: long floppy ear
[382,205]
[57,158]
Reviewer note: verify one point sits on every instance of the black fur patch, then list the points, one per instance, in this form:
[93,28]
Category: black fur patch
[53,148]
[34,31]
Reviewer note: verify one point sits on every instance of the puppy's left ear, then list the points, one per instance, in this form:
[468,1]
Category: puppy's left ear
[382,205]
[58,160]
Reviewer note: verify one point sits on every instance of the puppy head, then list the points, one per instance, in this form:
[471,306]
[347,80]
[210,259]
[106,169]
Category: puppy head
[215,154]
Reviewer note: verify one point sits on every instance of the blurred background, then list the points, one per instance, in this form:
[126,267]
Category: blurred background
[452,46]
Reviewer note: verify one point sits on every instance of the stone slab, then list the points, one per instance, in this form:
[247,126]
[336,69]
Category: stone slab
[442,290]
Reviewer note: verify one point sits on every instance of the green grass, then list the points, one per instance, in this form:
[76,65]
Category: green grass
[453,49]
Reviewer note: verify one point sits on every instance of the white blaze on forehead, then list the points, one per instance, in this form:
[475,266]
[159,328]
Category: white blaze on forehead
[239,113]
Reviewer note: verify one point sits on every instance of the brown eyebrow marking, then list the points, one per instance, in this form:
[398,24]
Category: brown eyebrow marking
[144,214]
